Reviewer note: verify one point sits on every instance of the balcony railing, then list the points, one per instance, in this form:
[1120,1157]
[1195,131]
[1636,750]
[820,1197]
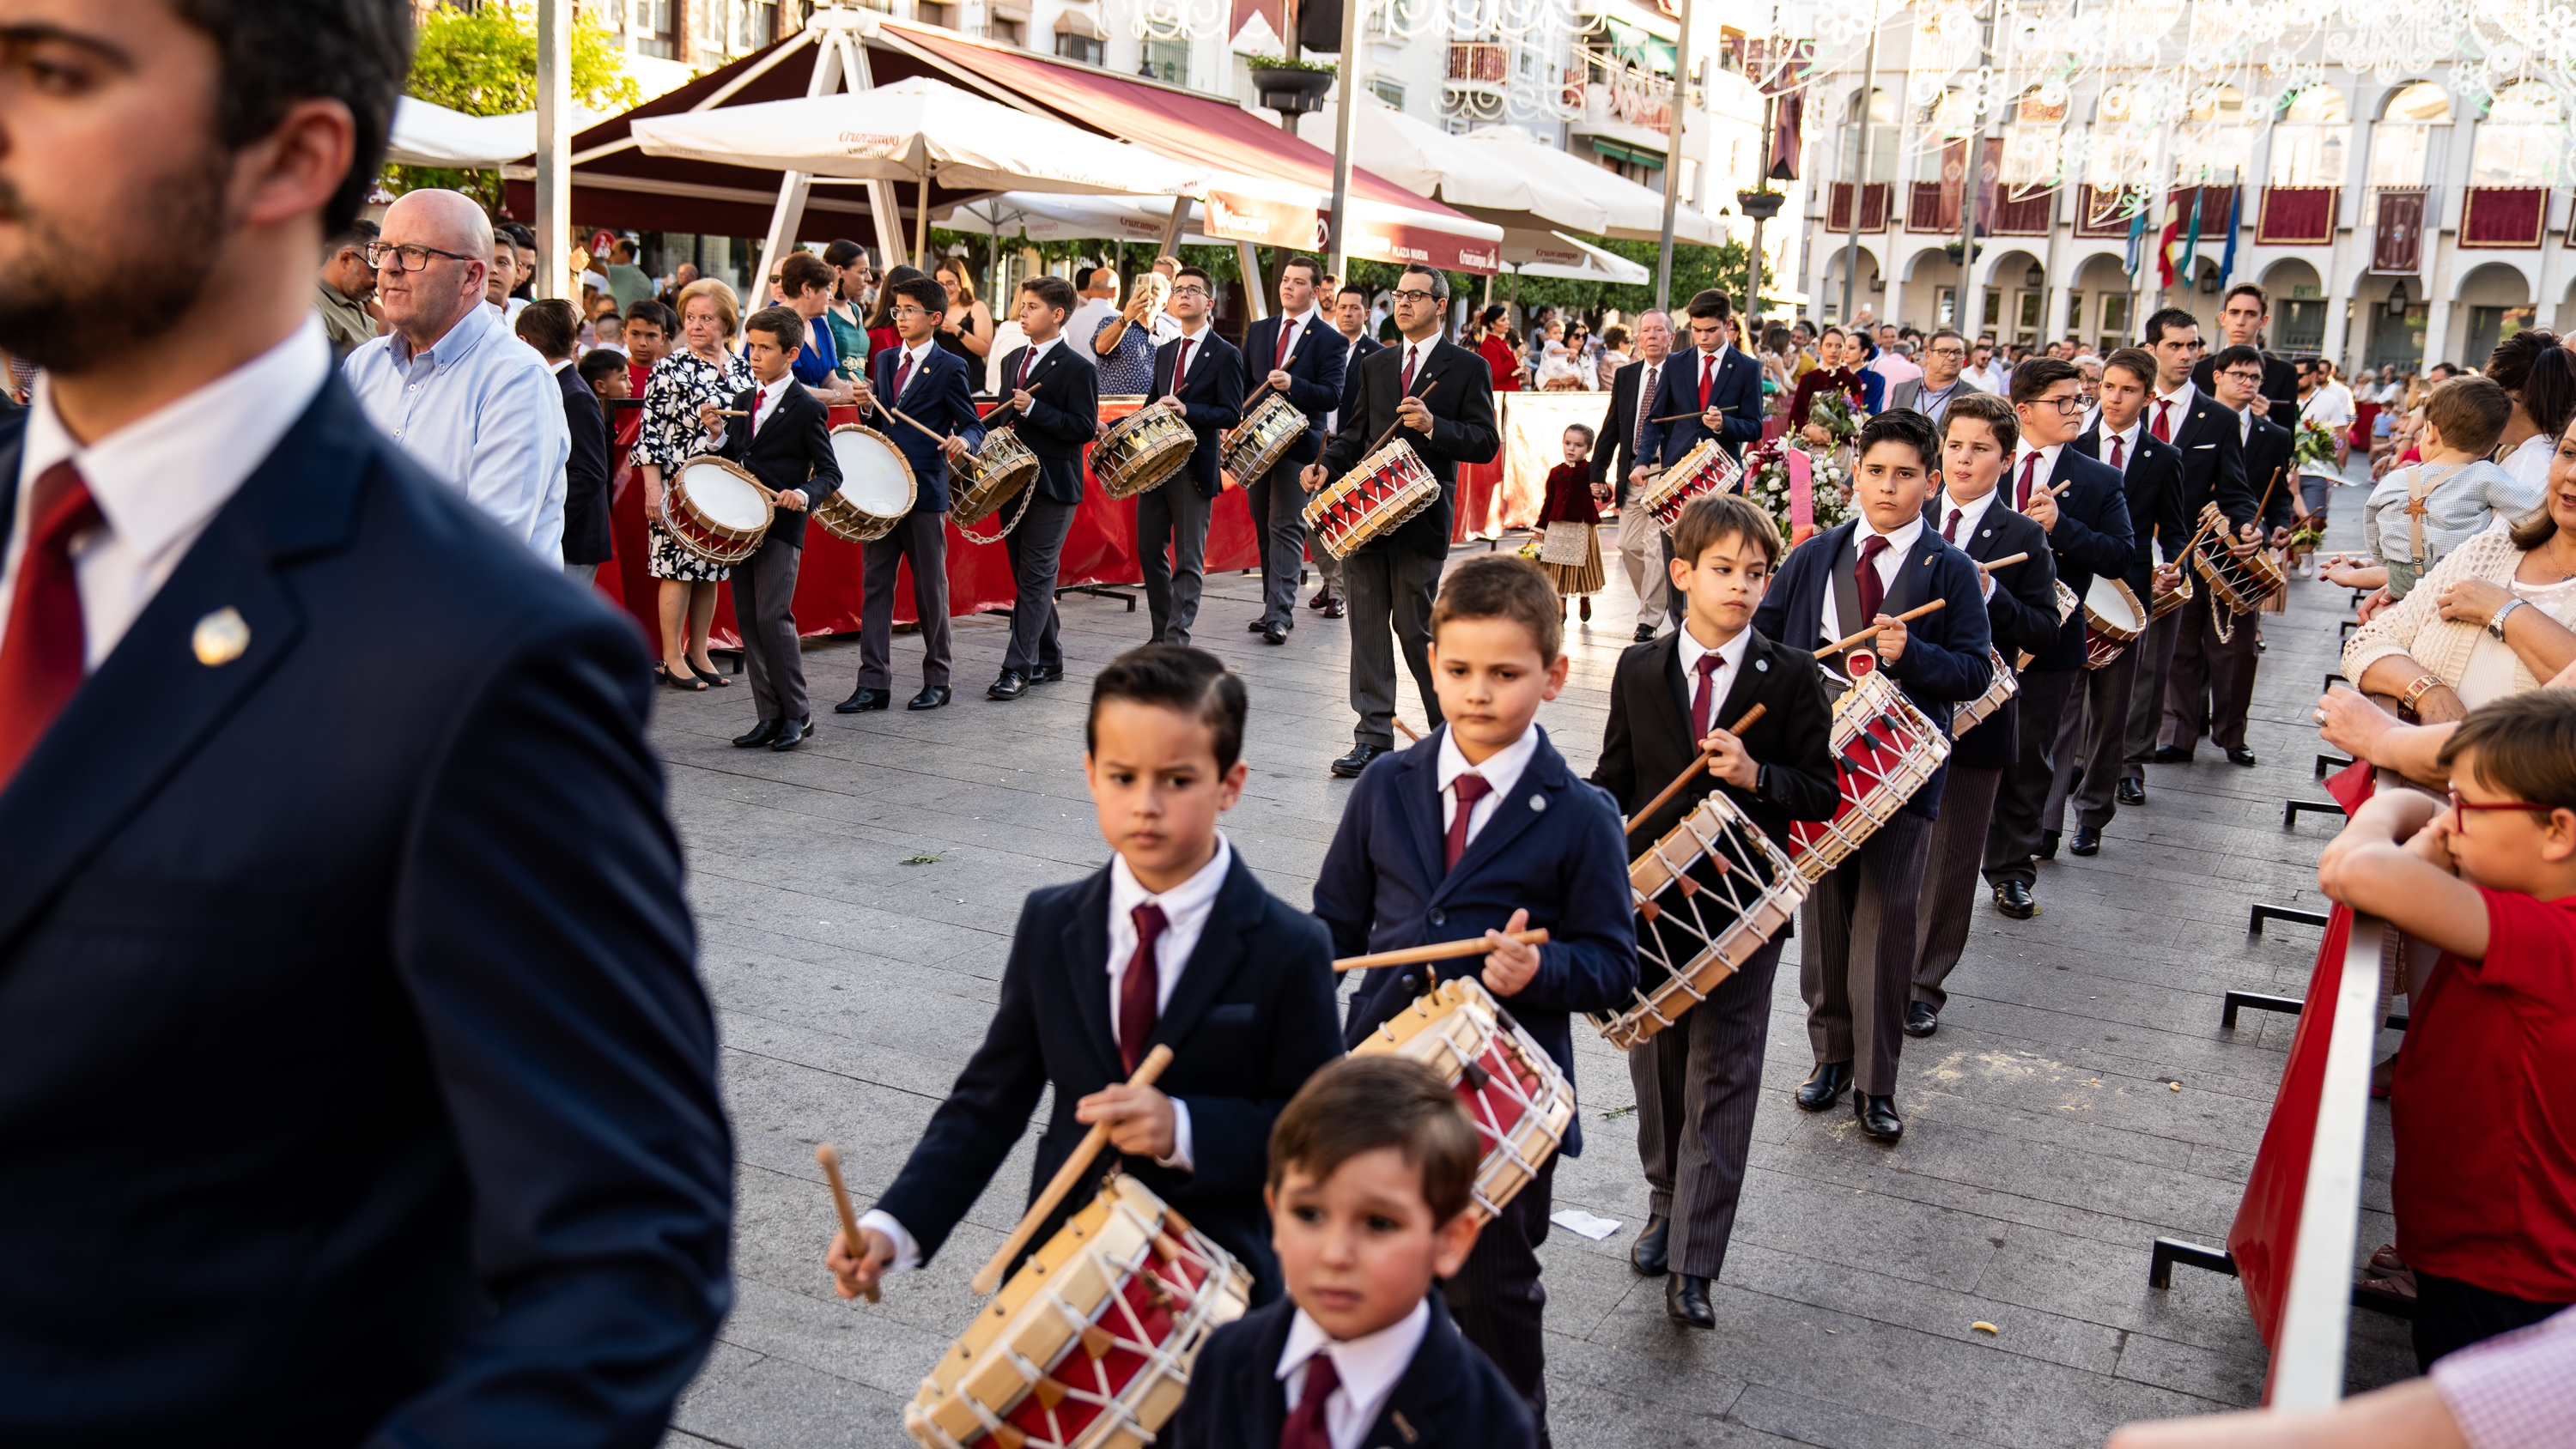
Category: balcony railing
[1484,63]
[1873,206]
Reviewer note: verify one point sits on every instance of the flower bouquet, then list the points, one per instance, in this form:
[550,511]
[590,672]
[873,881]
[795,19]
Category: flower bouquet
[1787,481]
[2315,444]
[1836,414]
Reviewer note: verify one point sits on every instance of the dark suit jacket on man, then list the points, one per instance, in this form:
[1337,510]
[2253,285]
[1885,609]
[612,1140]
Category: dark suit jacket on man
[1458,389]
[355,1083]
[1614,453]
[2268,470]
[1063,415]
[1736,391]
[1355,350]
[1211,400]
[2213,461]
[2152,483]
[2092,536]
[1314,380]
[1648,740]
[585,535]
[939,397]
[2280,389]
[1552,848]
[793,449]
[2021,617]
[1250,1019]
[1450,1397]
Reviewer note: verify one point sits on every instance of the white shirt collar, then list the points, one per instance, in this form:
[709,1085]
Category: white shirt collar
[1970,514]
[1502,769]
[2039,479]
[1038,351]
[2128,437]
[1368,1367]
[1897,542]
[557,366]
[461,337]
[766,396]
[1194,897]
[1732,651]
[2180,398]
[1190,334]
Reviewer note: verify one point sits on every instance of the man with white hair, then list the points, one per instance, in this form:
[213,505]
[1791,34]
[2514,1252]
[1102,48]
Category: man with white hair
[449,384]
[1614,458]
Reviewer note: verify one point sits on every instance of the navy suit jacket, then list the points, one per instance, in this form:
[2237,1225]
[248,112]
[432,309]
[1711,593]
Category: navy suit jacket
[1457,388]
[2092,536]
[1945,651]
[585,536]
[1553,848]
[2021,617]
[1450,1397]
[938,396]
[1314,380]
[792,450]
[2268,472]
[1211,399]
[1355,350]
[355,1083]
[2213,461]
[2152,483]
[1250,1019]
[1648,739]
[1736,391]
[1063,416]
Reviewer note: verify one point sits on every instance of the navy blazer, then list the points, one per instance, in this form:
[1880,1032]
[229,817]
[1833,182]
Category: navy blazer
[793,449]
[2152,483]
[1457,388]
[1211,400]
[938,396]
[2020,618]
[1736,391]
[355,1082]
[1314,379]
[1063,416]
[585,536]
[1553,848]
[2092,536]
[2213,460]
[1945,651]
[1450,1396]
[2270,473]
[1250,1019]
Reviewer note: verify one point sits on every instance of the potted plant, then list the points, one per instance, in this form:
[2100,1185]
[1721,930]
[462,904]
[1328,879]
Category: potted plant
[1951,250]
[1291,85]
[1760,205]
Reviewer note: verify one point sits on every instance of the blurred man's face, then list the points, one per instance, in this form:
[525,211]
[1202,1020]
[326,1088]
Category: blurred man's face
[505,271]
[1350,312]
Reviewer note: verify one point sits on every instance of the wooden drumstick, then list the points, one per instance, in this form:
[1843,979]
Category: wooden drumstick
[1408,729]
[1990,565]
[1696,765]
[831,1161]
[1908,617]
[1398,423]
[1444,951]
[1285,364]
[890,410]
[989,1277]
[730,412]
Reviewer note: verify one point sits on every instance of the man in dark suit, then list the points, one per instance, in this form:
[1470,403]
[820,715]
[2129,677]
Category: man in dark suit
[2242,316]
[2210,439]
[1713,391]
[1350,327]
[2211,678]
[1855,968]
[1300,358]
[348,1024]
[1980,437]
[1619,460]
[928,385]
[1199,377]
[781,435]
[2082,506]
[554,331]
[1055,402]
[1439,397]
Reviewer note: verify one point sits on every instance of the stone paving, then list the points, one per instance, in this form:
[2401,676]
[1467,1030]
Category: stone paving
[855,902]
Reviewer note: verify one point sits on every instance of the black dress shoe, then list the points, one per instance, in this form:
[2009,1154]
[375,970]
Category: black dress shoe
[2048,845]
[2088,840]
[2015,900]
[2170,755]
[1333,607]
[2239,755]
[761,734]
[1350,765]
[1647,1254]
[1323,599]
[932,696]
[1645,633]
[1686,1301]
[1256,626]
[1921,1019]
[1275,634]
[2130,792]
[1824,1086]
[1011,685]
[1878,1119]
[793,733]
[863,700]
[1048,675]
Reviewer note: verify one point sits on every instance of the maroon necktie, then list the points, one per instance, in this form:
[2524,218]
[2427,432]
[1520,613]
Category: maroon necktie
[2164,433]
[1404,384]
[902,375]
[1645,405]
[1305,1427]
[1180,364]
[45,656]
[1140,990]
[1471,788]
[1286,329]
[1707,378]
[2116,450]
[1950,530]
[1026,358]
[2021,497]
[1872,592]
[1704,703]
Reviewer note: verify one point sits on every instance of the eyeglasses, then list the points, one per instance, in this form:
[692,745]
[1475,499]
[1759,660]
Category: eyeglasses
[1189,291]
[412,258]
[2067,407]
[1950,352]
[2246,376]
[900,313]
[1412,294]
[2463,807]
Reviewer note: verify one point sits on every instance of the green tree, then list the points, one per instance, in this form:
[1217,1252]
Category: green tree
[483,62]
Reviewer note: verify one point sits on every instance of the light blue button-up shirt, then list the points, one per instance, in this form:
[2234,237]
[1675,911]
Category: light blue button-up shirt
[482,413]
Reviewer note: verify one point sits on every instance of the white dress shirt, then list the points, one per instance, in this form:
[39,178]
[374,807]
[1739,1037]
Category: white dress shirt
[1732,651]
[479,411]
[1889,560]
[1196,344]
[919,355]
[1502,770]
[1029,364]
[764,401]
[160,479]
[1971,513]
[1291,329]
[2128,437]
[2179,400]
[1368,1367]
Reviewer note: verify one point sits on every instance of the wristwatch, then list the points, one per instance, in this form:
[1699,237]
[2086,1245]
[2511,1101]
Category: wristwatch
[2495,621]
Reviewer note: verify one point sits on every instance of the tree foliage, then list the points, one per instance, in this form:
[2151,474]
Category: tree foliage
[483,61]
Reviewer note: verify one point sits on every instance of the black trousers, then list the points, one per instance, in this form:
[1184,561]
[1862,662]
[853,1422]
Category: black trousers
[1949,905]
[921,540]
[764,586]
[1389,589]
[2093,736]
[1497,1298]
[2209,676]
[2147,692]
[1171,539]
[1698,1082]
[2450,1315]
[1856,952]
[1037,548]
[2019,797]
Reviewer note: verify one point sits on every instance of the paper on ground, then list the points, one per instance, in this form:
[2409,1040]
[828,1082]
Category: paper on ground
[1576,1220]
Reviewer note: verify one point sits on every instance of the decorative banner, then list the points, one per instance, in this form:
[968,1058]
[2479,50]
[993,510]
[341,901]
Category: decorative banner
[2397,241]
[1264,223]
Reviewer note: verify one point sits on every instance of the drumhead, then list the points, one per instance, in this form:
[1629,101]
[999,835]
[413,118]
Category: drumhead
[724,497]
[875,479]
[2109,600]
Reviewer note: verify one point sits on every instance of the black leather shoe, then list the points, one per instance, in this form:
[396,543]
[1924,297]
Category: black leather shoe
[1647,1254]
[2015,900]
[1333,608]
[2170,755]
[1256,626]
[1878,1119]
[1921,1019]
[932,696]
[761,734]
[2048,845]
[1824,1086]
[793,733]
[1048,676]
[863,700]
[1350,765]
[2088,840]
[1011,685]
[2130,792]
[2241,756]
[1686,1301]
[1275,634]
[1645,633]
[1323,600]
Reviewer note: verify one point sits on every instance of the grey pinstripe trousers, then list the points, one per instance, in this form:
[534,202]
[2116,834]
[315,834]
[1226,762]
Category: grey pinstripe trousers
[1698,1084]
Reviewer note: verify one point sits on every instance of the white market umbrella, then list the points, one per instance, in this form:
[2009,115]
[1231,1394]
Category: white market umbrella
[1554,254]
[426,134]
[1040,217]
[1478,179]
[1635,213]
[914,130]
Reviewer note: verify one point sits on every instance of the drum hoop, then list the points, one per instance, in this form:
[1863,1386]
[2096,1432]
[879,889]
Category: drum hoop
[911,484]
[690,531]
[1651,1012]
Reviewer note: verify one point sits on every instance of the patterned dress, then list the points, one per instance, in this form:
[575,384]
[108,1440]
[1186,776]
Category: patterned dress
[683,383]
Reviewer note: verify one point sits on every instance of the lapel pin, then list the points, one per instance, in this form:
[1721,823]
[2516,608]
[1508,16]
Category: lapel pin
[1538,802]
[220,637]
[1763,665]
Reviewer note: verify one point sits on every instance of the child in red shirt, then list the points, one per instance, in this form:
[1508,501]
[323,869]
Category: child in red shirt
[1576,571]
[2483,1103]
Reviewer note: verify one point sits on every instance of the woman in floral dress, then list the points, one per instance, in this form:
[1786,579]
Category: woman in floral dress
[704,373]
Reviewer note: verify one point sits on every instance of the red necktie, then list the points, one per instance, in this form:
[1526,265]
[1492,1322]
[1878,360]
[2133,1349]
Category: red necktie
[2163,433]
[1950,530]
[2116,441]
[1707,378]
[1140,990]
[1872,592]
[1305,1427]
[2021,498]
[759,401]
[1286,330]
[1404,385]
[45,656]
[1181,364]
[1026,358]
[902,375]
[1470,789]
[1704,703]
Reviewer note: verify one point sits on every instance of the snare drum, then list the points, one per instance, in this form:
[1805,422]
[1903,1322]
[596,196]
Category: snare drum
[876,490]
[1521,1104]
[1091,1342]
[2238,585]
[2004,685]
[1140,450]
[2168,600]
[1708,895]
[2113,620]
[716,510]
[991,476]
[1387,489]
[1884,751]
[1704,469]
[1264,438]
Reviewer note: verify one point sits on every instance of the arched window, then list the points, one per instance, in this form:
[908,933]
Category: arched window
[2311,140]
[2522,138]
[1885,136]
[2402,141]
[2214,140]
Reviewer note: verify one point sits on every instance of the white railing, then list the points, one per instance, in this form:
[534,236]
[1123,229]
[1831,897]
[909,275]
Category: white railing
[2316,1312]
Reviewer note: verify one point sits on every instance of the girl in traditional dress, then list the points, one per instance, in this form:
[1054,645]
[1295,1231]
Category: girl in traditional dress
[1572,564]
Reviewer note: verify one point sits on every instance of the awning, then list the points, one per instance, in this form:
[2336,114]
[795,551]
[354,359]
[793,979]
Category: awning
[1554,254]
[426,134]
[1070,21]
[1477,179]
[1636,212]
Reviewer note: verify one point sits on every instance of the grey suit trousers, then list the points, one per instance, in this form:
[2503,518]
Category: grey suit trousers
[1171,537]
[1950,891]
[2147,691]
[1698,1082]
[2013,838]
[1036,548]
[2208,674]
[1279,520]
[1390,591]
[921,539]
[1856,952]
[764,588]
[2093,735]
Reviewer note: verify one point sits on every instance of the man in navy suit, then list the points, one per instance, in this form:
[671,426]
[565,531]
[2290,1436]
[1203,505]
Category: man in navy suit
[1198,376]
[1055,402]
[1713,391]
[355,1082]
[1856,967]
[2084,508]
[2210,439]
[1350,327]
[926,384]
[2212,679]
[1304,361]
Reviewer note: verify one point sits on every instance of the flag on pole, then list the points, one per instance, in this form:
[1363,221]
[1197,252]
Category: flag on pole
[2136,261]
[2235,217]
[2166,257]
[2191,240]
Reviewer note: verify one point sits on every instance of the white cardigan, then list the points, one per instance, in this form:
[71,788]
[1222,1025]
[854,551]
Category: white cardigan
[2414,625]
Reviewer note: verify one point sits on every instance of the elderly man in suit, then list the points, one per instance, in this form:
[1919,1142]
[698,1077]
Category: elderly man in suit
[1055,403]
[1945,357]
[348,1020]
[1298,356]
[1620,457]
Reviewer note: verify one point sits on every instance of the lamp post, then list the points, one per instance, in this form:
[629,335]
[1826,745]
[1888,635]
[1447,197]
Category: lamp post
[1673,161]
[1860,173]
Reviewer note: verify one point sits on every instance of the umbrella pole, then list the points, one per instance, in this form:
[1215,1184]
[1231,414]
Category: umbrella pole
[921,224]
